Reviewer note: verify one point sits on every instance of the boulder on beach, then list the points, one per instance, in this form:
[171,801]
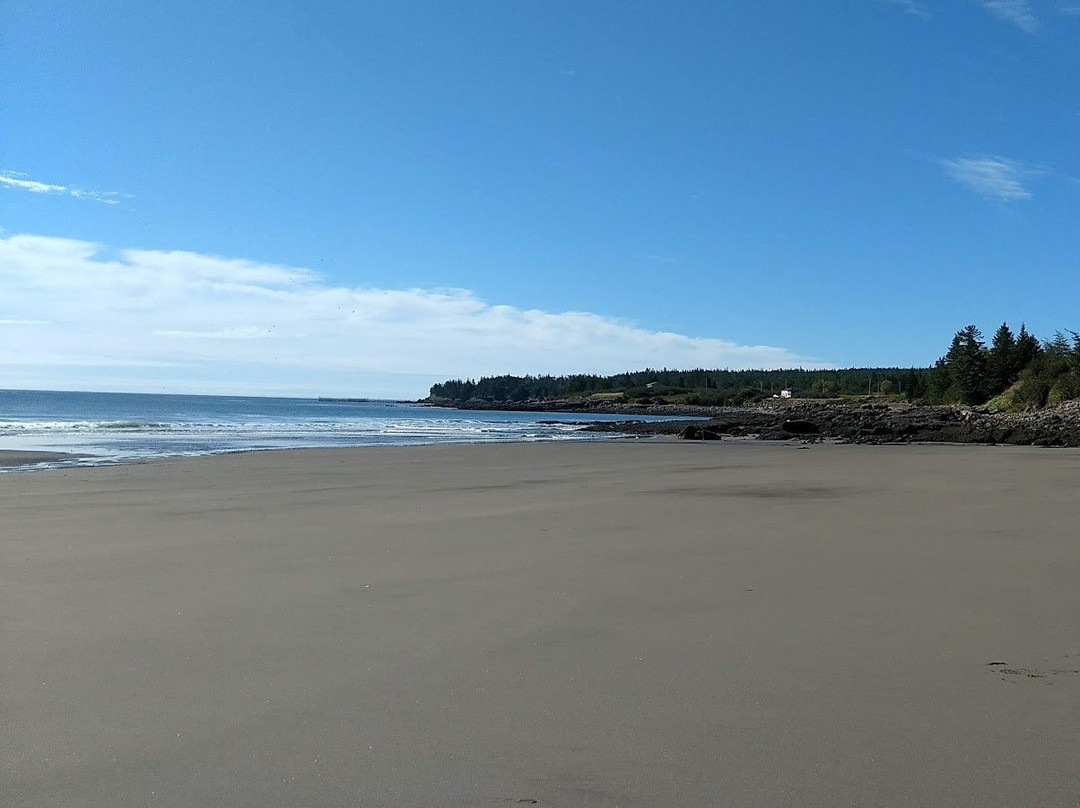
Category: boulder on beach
[695,432]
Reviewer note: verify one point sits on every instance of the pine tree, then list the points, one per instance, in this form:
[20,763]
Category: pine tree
[1001,361]
[1027,348]
[966,364]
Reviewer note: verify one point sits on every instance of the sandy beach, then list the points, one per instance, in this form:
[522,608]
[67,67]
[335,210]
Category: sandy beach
[606,624]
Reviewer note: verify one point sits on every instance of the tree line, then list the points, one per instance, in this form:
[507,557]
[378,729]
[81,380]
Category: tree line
[697,386]
[1016,371]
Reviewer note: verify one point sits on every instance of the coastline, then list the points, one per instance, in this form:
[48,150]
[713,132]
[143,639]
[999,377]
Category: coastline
[803,421]
[868,421]
[110,428]
[605,623]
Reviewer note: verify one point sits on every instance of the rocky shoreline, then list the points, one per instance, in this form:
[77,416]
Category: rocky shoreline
[869,423]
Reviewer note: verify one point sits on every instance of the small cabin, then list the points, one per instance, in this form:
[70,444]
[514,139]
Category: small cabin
[785,394]
[651,385]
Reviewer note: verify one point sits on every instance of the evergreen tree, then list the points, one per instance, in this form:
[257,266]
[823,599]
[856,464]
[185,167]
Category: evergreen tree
[966,363]
[1001,361]
[1027,348]
[939,382]
[913,386]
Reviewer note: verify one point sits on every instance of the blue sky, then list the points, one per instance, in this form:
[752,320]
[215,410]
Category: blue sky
[363,198]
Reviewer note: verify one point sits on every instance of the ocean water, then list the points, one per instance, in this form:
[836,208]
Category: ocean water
[125,427]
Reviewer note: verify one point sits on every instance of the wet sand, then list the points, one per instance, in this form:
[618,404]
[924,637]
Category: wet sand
[609,624]
[11,458]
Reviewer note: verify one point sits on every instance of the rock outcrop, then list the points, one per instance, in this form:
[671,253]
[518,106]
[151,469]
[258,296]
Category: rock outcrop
[809,420]
[874,423]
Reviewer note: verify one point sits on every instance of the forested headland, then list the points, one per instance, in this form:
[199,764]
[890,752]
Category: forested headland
[1014,372]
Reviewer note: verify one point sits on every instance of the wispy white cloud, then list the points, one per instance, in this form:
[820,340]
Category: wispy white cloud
[19,182]
[993,177]
[912,7]
[198,315]
[239,332]
[1018,12]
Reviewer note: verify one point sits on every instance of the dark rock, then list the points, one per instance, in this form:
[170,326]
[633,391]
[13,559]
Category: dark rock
[774,434]
[874,424]
[705,432]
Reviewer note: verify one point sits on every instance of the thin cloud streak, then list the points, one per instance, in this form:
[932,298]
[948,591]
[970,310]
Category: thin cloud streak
[240,332]
[200,313]
[992,177]
[911,7]
[1018,12]
[19,182]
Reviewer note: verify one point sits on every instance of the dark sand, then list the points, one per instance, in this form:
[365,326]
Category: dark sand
[10,458]
[653,624]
